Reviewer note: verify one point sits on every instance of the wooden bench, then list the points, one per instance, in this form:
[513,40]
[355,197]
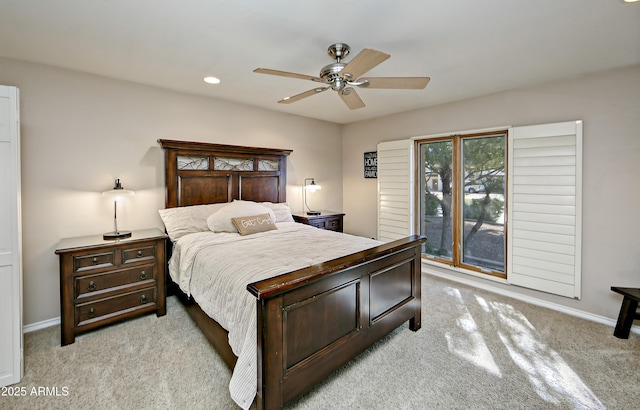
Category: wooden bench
[628,311]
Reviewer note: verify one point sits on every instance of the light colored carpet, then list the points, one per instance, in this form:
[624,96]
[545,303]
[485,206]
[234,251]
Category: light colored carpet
[475,350]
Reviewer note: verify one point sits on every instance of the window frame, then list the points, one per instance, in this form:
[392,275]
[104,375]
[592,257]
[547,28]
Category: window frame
[458,197]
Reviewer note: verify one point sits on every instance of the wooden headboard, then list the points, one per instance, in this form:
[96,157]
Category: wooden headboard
[198,173]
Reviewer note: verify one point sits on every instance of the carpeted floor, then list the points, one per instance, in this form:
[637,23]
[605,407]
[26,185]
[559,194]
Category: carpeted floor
[475,350]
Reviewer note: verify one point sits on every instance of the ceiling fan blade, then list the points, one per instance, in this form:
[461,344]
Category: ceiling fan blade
[351,98]
[286,74]
[363,62]
[408,83]
[294,98]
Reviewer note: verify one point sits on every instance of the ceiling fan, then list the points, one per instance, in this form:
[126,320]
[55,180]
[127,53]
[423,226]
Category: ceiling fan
[343,77]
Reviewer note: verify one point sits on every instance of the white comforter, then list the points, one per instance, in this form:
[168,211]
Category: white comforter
[215,268]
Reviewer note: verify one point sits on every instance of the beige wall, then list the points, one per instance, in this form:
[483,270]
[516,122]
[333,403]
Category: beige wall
[79,132]
[609,105]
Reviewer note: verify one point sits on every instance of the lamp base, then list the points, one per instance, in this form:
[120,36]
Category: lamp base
[116,235]
[313,212]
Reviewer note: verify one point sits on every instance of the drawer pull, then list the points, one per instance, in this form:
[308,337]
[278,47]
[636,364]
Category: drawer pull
[92,312]
[91,287]
[139,254]
[94,261]
[143,275]
[143,299]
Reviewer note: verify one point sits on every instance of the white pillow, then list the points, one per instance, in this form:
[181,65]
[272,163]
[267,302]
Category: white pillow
[281,210]
[221,220]
[184,220]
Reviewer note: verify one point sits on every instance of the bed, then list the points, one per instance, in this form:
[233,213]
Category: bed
[309,319]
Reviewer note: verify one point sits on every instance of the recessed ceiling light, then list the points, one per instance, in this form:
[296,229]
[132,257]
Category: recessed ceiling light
[212,80]
[630,1]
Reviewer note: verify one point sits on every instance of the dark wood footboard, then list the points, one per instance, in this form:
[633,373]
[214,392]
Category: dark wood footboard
[314,320]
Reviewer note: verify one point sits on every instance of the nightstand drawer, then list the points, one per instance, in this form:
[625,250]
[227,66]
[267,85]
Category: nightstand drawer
[111,307]
[317,224]
[331,221]
[94,285]
[333,224]
[138,254]
[93,261]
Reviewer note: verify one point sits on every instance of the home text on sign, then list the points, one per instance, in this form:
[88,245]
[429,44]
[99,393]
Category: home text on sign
[371,164]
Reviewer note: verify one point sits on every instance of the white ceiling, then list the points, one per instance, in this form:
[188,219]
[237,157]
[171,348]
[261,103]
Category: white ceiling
[467,47]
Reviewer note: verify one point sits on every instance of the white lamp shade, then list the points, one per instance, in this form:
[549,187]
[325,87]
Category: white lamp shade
[117,194]
[313,187]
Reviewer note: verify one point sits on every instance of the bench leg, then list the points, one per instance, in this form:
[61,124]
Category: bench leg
[625,318]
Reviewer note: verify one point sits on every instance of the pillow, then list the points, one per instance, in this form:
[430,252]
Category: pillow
[281,210]
[184,220]
[221,220]
[248,225]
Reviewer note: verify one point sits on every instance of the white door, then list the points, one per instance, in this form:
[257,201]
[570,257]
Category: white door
[10,240]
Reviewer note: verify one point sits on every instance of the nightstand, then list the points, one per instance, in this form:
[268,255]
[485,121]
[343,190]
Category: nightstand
[105,281]
[331,221]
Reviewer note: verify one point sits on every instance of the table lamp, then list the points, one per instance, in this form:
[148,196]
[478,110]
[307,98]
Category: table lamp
[312,187]
[118,192]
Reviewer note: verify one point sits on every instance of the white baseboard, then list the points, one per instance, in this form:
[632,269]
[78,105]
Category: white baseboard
[528,299]
[41,325]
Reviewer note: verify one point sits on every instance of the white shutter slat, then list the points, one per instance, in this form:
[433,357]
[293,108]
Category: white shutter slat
[542,255]
[544,190]
[544,180]
[565,278]
[399,217]
[542,245]
[526,226]
[545,199]
[547,141]
[535,265]
[545,207]
[545,152]
[543,218]
[558,160]
[551,238]
[394,231]
[546,170]
[548,286]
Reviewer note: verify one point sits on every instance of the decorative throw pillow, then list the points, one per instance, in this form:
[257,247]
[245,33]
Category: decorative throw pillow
[248,225]
[221,220]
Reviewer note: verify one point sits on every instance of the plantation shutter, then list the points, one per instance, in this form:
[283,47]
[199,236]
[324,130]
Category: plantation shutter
[395,190]
[545,207]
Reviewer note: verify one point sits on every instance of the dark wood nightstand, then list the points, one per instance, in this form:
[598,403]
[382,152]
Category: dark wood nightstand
[104,281]
[331,221]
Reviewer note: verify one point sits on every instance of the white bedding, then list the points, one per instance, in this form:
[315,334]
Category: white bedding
[215,268]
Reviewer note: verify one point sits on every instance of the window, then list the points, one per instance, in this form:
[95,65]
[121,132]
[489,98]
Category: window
[505,203]
[462,200]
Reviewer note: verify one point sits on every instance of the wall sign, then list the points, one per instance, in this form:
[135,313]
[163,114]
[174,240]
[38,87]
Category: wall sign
[371,164]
